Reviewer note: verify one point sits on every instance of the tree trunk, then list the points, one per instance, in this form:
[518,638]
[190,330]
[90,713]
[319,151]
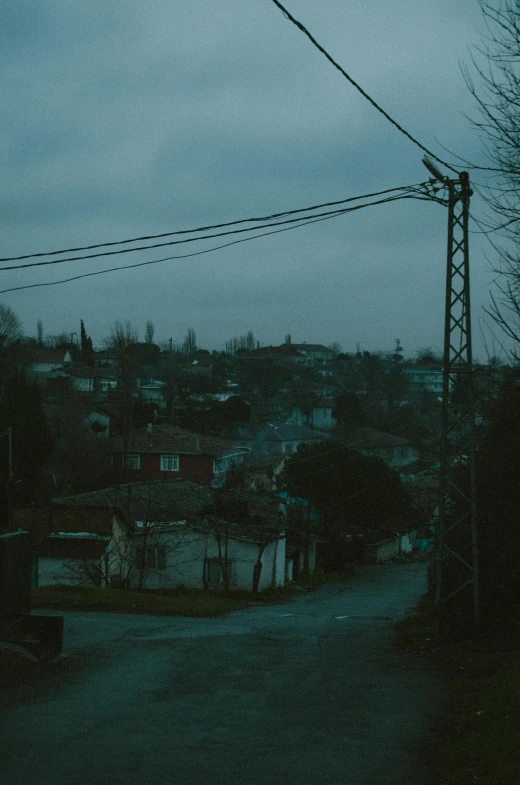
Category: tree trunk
[257,569]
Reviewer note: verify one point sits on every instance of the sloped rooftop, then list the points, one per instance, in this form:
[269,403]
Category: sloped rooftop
[170,439]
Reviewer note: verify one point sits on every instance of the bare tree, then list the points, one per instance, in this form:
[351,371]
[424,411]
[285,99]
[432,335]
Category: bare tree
[122,335]
[496,90]
[149,332]
[39,332]
[190,343]
[10,325]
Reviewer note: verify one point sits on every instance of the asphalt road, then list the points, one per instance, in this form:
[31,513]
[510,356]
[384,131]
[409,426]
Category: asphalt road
[307,693]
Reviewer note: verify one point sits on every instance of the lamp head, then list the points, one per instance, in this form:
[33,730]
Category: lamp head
[433,169]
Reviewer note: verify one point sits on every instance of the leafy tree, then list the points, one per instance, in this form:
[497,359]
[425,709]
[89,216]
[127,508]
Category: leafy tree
[21,408]
[347,491]
[348,411]
[498,502]
[86,348]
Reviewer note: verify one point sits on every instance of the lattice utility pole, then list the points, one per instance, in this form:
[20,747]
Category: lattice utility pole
[457,546]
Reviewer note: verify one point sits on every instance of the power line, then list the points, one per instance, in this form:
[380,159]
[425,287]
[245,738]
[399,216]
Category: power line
[358,87]
[303,222]
[208,228]
[208,236]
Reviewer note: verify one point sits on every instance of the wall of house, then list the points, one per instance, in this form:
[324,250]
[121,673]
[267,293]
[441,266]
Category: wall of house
[82,384]
[322,418]
[185,555]
[384,549]
[195,468]
[408,542]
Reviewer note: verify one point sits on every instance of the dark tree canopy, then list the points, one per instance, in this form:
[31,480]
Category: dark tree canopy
[345,486]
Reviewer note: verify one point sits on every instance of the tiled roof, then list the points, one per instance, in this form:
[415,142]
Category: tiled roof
[169,439]
[158,500]
[285,350]
[311,347]
[276,432]
[46,355]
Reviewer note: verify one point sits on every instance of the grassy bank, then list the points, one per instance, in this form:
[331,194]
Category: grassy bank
[479,740]
[184,602]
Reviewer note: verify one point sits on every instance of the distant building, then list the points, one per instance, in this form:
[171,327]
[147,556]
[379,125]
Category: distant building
[393,450]
[316,353]
[424,378]
[274,437]
[47,360]
[166,452]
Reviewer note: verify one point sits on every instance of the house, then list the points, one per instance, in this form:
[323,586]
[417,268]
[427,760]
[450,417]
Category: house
[317,355]
[262,469]
[49,360]
[274,437]
[170,533]
[92,379]
[165,451]
[286,354]
[154,391]
[320,416]
[394,450]
[69,545]
[424,378]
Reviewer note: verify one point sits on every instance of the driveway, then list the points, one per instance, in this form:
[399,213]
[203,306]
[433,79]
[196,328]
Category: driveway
[306,693]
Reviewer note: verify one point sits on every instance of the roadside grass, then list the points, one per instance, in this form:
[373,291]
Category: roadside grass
[183,602]
[481,743]
[478,742]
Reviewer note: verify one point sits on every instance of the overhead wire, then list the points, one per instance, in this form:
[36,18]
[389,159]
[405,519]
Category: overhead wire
[199,229]
[169,258]
[299,221]
[190,239]
[358,87]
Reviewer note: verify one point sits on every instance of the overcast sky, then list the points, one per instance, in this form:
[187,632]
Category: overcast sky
[129,118]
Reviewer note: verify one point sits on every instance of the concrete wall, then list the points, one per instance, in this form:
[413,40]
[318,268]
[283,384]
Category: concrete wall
[50,570]
[384,549]
[397,545]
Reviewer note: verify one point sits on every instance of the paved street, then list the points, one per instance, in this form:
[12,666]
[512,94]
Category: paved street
[310,692]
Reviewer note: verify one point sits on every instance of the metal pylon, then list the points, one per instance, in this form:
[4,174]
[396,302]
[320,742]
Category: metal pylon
[456,546]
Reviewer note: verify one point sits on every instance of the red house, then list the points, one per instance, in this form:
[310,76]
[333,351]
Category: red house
[166,452]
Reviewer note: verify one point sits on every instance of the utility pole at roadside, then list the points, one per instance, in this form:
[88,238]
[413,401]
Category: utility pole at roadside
[456,568]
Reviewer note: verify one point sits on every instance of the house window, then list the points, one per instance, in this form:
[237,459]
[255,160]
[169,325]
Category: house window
[214,571]
[133,461]
[169,463]
[152,557]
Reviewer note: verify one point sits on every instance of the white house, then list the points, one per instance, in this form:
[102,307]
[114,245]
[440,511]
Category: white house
[154,392]
[50,360]
[165,534]
[89,379]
